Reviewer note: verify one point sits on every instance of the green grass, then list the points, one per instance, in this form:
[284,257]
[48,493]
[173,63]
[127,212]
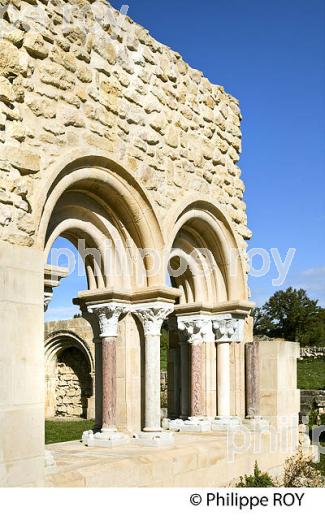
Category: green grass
[65,430]
[311,374]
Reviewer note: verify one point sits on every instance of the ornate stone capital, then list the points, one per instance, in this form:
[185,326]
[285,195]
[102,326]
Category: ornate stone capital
[196,329]
[152,316]
[108,315]
[227,328]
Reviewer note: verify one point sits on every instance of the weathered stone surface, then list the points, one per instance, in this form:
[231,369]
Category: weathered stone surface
[119,90]
[35,45]
[22,159]
[10,63]
[7,94]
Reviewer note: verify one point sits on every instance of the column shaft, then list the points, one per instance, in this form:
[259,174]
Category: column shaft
[152,383]
[98,385]
[223,378]
[184,376]
[252,383]
[196,379]
[173,382]
[109,382]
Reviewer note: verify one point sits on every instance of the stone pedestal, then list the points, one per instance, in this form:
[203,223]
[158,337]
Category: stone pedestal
[154,439]
[224,423]
[192,424]
[104,439]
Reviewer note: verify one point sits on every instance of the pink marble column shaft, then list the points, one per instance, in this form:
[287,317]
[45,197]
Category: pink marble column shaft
[109,382]
[196,379]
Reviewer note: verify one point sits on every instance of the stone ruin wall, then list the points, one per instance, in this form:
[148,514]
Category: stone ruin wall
[312,352]
[73,384]
[112,87]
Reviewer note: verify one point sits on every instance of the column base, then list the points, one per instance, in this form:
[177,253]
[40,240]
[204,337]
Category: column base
[104,439]
[256,423]
[192,424]
[225,423]
[152,430]
[154,439]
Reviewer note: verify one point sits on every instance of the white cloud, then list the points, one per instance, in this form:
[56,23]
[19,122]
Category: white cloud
[313,281]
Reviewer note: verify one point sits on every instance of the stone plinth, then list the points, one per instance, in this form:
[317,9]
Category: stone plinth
[224,423]
[192,424]
[153,439]
[104,439]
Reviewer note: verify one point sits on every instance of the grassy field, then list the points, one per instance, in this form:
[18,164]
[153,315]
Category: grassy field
[311,374]
[61,431]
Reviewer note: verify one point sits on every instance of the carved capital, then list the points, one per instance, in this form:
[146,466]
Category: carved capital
[196,329]
[227,329]
[108,315]
[152,316]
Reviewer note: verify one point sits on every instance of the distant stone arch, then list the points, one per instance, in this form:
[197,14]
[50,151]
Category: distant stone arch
[69,376]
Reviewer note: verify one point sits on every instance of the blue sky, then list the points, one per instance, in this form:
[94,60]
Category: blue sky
[271,56]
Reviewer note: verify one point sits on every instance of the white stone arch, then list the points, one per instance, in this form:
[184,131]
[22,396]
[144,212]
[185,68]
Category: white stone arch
[199,223]
[109,205]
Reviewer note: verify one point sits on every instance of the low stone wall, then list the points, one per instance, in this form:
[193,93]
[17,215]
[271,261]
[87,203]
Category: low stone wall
[312,352]
[312,401]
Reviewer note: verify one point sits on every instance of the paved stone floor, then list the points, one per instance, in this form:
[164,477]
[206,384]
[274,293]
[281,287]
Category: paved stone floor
[196,459]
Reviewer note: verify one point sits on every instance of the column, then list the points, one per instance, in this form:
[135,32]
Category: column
[98,384]
[253,419]
[223,379]
[173,370]
[194,332]
[227,330]
[108,316]
[251,382]
[152,316]
[196,379]
[184,376]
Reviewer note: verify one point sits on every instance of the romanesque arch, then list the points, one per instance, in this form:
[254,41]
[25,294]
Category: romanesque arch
[69,376]
[95,199]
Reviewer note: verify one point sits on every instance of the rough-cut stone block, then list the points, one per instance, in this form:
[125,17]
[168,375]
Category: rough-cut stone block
[24,160]
[36,46]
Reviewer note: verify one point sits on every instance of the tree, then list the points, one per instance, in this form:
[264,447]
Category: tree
[293,316]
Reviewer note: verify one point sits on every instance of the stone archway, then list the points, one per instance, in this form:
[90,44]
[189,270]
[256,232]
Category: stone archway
[69,375]
[94,200]
[208,267]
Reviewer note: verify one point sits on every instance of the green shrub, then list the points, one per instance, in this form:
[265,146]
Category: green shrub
[258,479]
[299,471]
